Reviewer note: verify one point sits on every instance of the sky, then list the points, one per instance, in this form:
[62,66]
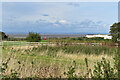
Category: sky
[59,17]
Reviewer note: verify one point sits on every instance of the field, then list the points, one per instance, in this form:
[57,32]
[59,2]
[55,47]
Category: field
[51,61]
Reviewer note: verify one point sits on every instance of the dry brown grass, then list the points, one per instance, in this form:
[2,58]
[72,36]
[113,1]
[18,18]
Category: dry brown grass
[44,66]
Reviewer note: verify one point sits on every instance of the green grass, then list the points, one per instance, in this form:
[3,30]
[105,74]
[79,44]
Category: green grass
[19,43]
[44,41]
[13,43]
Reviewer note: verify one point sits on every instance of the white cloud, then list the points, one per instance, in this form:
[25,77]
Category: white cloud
[62,21]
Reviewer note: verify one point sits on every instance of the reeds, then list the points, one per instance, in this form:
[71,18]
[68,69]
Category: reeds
[52,61]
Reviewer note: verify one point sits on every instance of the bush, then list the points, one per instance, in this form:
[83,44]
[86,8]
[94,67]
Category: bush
[3,36]
[102,70]
[33,37]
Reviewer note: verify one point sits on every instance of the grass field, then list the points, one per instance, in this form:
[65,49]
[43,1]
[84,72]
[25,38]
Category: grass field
[52,61]
[20,43]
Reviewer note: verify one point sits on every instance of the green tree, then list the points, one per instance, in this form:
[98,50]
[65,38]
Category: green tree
[3,36]
[115,31]
[33,37]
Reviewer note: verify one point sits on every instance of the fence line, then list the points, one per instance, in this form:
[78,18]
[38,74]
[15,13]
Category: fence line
[14,43]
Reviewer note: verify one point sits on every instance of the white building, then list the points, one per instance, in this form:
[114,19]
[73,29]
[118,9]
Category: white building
[100,35]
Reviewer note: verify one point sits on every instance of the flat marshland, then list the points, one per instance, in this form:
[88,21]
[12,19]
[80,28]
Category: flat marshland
[45,61]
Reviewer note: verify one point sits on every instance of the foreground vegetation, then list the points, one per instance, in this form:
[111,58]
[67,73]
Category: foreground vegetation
[21,59]
[57,61]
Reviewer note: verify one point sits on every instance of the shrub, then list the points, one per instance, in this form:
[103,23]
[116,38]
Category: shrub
[102,69]
[33,37]
[3,36]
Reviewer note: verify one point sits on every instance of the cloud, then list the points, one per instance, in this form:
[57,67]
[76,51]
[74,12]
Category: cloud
[88,23]
[41,24]
[74,4]
[45,15]
[56,25]
[62,21]
[99,22]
